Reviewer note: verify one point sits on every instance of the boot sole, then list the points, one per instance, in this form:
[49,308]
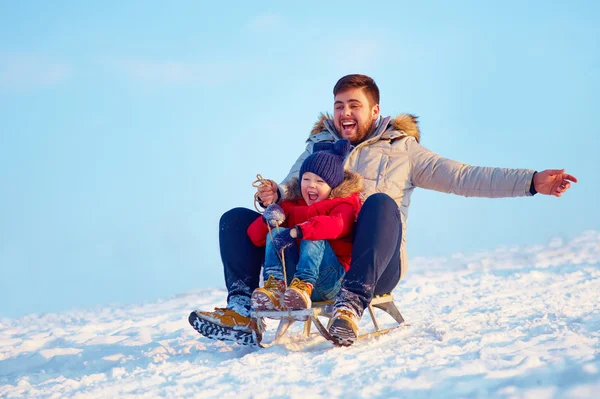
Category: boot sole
[294,300]
[216,332]
[342,332]
[261,301]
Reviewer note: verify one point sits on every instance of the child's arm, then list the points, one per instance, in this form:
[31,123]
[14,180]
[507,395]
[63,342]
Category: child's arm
[303,213]
[257,232]
[338,223]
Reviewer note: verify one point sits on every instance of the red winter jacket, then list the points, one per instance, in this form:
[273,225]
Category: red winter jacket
[332,219]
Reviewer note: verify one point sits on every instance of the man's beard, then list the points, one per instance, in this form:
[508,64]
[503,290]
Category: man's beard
[362,132]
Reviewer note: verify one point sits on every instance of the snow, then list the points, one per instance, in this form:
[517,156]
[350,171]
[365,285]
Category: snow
[520,322]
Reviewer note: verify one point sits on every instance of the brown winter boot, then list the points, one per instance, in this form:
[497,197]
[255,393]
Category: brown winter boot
[268,297]
[343,326]
[297,296]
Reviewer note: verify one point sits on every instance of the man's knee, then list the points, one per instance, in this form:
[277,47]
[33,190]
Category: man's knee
[380,208]
[237,215]
[380,201]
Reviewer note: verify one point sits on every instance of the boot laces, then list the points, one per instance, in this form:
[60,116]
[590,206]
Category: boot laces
[346,313]
[301,285]
[272,283]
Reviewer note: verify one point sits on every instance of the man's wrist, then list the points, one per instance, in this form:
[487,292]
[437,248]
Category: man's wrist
[532,189]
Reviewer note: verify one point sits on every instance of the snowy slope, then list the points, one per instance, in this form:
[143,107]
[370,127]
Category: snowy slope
[511,323]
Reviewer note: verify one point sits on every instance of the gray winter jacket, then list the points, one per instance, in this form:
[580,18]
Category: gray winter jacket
[392,161]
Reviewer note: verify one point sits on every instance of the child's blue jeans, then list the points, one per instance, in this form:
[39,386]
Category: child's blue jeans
[316,263]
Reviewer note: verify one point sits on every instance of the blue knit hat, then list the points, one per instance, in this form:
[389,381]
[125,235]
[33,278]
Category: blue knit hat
[327,161]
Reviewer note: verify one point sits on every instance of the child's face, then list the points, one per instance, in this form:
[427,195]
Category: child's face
[314,189]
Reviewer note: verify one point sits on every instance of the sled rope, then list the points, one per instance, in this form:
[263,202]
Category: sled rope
[261,182]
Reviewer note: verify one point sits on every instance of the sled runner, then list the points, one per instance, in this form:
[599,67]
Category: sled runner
[324,309]
[289,317]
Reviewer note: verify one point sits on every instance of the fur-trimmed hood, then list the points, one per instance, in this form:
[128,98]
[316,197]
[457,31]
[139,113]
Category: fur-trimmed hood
[405,123]
[352,184]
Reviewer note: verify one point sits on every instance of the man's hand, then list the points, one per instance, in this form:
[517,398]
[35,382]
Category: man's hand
[268,193]
[553,182]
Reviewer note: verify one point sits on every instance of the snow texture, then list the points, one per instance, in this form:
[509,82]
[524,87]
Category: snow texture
[519,322]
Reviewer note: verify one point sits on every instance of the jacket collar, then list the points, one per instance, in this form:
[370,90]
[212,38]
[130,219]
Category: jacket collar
[387,128]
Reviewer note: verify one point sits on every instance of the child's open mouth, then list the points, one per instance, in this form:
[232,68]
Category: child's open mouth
[313,196]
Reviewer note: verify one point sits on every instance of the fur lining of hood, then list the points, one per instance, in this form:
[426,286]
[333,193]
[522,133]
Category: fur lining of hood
[320,123]
[352,184]
[406,123]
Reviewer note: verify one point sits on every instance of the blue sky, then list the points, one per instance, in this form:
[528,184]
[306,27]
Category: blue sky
[127,130]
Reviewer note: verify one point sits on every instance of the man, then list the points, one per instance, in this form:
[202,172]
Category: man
[392,163]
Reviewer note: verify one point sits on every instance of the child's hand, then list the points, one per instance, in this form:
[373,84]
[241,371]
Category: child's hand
[274,215]
[283,240]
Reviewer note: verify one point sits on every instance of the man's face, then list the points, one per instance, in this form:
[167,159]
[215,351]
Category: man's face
[353,116]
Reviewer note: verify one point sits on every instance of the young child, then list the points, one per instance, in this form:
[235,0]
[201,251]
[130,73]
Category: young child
[317,219]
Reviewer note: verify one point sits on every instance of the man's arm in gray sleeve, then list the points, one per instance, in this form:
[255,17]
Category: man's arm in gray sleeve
[431,171]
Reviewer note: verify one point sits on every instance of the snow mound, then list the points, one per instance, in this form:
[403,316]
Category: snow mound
[520,322]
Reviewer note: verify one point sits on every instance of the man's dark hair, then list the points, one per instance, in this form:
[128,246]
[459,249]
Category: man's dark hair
[358,82]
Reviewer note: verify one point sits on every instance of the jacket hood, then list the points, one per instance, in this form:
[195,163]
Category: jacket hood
[352,184]
[406,123]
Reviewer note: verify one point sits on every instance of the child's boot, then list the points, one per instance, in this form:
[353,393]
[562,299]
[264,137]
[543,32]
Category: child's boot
[269,297]
[297,296]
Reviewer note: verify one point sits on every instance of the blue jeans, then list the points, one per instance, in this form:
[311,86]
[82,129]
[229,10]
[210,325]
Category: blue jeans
[315,263]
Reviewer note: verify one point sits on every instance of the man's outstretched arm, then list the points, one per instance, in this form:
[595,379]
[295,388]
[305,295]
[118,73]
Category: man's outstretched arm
[434,172]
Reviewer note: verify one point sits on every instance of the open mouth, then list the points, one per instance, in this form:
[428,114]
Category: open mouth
[313,196]
[348,127]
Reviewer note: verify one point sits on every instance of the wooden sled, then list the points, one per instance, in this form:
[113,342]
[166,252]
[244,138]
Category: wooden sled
[325,309]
